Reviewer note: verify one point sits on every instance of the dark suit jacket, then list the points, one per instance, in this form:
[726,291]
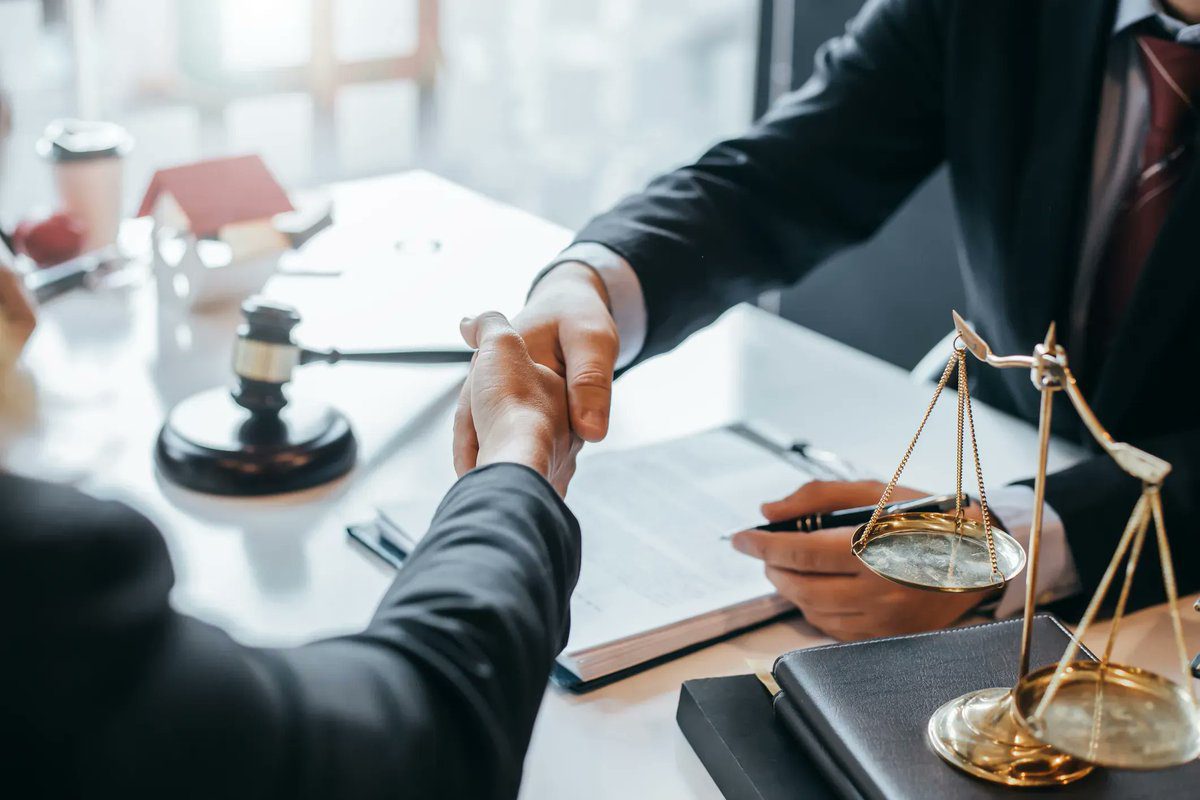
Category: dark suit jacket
[105,691]
[1006,92]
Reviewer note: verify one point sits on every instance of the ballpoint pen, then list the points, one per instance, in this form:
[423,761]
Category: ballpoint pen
[857,516]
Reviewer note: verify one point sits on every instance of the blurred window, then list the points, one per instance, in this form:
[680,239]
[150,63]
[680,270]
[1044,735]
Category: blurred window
[559,106]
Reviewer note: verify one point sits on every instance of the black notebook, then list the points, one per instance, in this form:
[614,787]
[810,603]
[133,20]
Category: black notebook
[728,722]
[859,711]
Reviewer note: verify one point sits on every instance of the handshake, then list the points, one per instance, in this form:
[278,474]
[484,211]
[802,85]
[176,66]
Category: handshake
[540,386]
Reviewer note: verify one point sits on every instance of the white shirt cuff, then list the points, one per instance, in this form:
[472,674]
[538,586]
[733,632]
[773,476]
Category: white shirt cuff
[625,297]
[1057,577]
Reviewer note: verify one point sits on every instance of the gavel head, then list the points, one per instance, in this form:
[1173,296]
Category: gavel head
[246,442]
[264,355]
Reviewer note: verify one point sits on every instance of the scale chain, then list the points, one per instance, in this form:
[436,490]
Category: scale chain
[1140,510]
[1131,565]
[957,359]
[983,505]
[1168,572]
[887,492]
[958,493]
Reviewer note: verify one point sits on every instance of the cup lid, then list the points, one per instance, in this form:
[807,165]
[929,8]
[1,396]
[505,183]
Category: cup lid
[78,140]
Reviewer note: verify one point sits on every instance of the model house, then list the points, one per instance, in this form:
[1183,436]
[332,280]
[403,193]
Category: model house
[214,234]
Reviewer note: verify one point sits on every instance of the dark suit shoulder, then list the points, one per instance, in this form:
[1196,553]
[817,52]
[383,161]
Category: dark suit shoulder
[61,530]
[79,577]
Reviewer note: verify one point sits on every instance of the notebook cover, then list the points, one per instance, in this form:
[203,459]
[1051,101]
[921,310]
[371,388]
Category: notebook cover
[817,752]
[728,722]
[868,704]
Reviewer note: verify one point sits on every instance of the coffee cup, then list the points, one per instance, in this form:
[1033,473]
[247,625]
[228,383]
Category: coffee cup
[88,159]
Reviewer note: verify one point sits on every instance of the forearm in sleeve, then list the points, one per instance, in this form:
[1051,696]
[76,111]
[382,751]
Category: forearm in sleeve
[445,683]
[825,167]
[435,698]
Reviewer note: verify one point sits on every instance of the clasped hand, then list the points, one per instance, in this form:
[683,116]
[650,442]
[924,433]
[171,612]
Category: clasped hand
[512,408]
[566,331]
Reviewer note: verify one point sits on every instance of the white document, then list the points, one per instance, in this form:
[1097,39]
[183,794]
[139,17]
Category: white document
[658,572]
[653,519]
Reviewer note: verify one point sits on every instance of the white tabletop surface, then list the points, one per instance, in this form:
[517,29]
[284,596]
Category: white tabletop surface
[415,254]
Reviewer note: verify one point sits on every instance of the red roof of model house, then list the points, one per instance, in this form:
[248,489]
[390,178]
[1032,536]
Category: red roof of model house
[219,192]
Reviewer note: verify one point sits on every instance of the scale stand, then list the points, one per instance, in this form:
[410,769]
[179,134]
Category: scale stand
[1060,722]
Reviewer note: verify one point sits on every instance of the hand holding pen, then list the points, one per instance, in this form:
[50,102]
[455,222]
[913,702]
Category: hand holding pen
[816,570]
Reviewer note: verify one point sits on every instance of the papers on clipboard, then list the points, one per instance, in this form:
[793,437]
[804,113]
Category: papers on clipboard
[657,577]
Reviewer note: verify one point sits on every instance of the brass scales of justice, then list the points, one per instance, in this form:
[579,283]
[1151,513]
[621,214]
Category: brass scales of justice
[1060,722]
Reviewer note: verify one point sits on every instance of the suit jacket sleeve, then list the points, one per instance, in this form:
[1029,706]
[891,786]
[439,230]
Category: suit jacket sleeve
[121,696]
[822,170]
[1095,498]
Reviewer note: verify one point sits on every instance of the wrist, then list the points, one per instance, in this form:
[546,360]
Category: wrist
[517,453]
[572,276]
[519,441]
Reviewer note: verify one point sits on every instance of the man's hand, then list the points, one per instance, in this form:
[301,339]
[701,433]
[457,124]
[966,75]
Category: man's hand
[567,327]
[511,408]
[17,318]
[836,592]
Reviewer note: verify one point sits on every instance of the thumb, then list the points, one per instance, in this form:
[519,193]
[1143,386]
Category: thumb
[819,497]
[478,332]
[590,354]
[466,327]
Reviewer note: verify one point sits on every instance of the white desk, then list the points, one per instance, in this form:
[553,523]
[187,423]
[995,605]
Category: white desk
[281,570]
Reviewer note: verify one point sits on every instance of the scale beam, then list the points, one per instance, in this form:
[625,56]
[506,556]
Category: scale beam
[1048,366]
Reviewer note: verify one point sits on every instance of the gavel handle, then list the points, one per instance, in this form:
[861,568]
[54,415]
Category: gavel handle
[431,356]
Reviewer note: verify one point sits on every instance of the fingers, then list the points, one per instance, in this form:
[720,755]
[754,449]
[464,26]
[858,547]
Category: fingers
[820,552]
[15,305]
[838,606]
[590,352]
[466,440]
[824,496]
[836,595]
[562,476]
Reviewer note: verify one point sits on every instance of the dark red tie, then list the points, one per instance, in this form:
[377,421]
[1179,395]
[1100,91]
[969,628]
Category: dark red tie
[1173,76]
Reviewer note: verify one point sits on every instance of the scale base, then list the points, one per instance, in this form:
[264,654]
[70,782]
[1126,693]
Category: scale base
[980,734]
[211,444]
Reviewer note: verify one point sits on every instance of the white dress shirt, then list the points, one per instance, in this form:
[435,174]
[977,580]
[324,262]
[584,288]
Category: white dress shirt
[1120,132]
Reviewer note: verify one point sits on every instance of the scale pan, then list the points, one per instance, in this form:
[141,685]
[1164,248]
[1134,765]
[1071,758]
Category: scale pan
[923,550]
[1113,716]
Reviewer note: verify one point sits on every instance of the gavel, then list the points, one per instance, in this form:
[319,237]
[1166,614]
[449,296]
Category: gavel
[265,355]
[254,439]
